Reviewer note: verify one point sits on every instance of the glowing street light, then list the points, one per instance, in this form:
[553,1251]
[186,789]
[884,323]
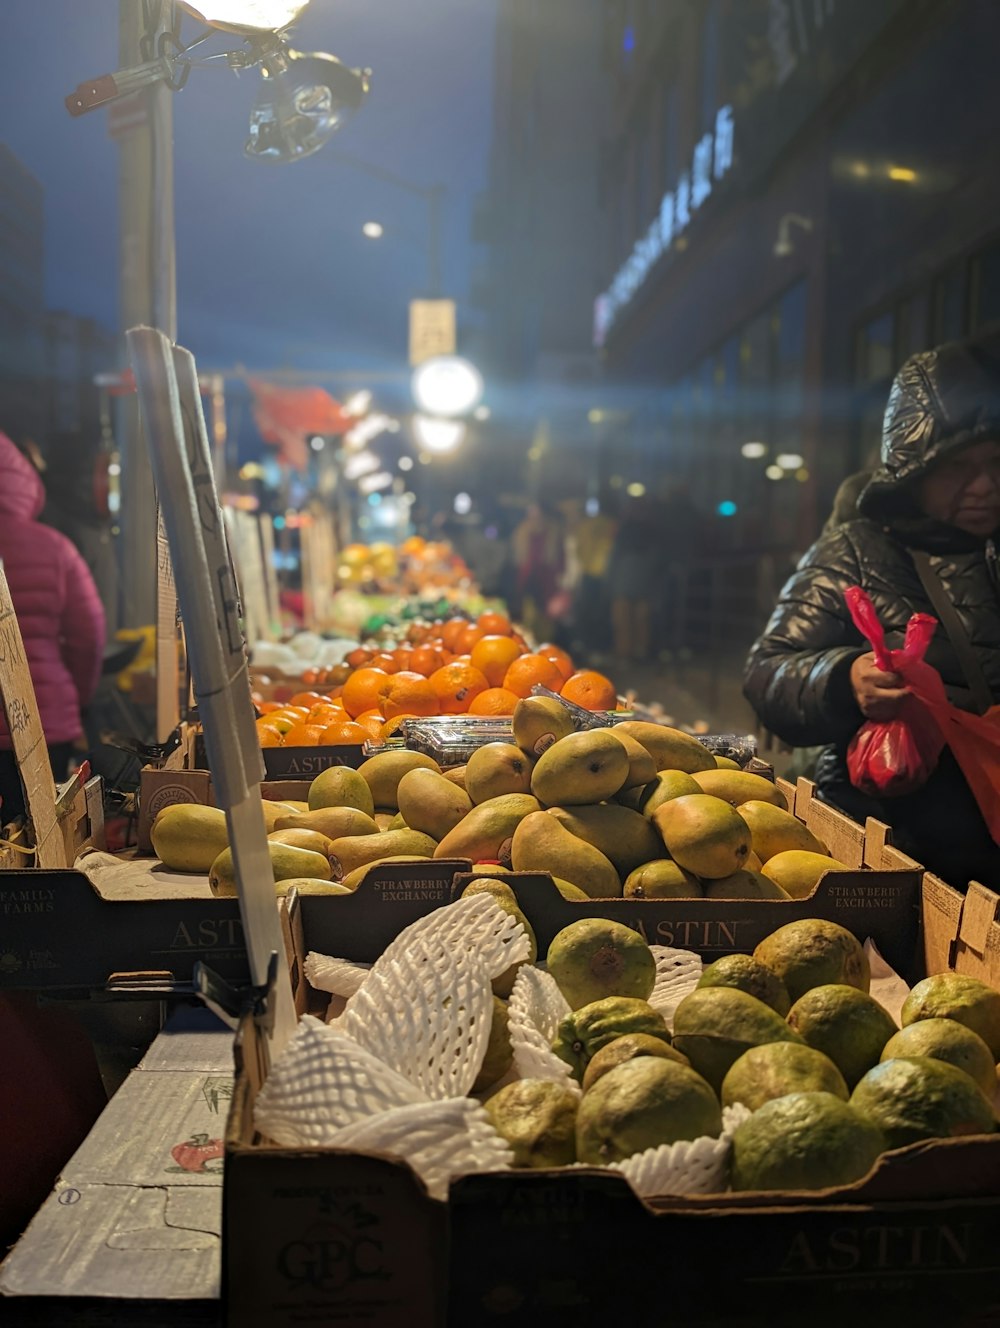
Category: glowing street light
[374,230]
[790,461]
[447,386]
[753,451]
[438,436]
[259,15]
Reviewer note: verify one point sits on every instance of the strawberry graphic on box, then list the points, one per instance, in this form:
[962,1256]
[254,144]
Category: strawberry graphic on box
[195,1153]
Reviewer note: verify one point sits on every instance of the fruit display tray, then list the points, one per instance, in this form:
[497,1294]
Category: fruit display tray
[340,1237]
[879,897]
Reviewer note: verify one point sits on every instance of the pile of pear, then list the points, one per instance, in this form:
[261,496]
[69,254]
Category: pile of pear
[636,810]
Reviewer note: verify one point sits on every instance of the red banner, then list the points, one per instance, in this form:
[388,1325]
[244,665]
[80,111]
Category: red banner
[288,417]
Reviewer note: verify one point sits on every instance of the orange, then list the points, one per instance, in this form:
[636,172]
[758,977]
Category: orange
[363,690]
[494,701]
[269,736]
[559,658]
[325,713]
[307,699]
[409,693]
[384,660]
[591,690]
[303,735]
[456,686]
[346,731]
[374,722]
[266,707]
[402,657]
[393,725]
[424,660]
[451,629]
[493,656]
[527,670]
[357,658]
[494,623]
[466,639]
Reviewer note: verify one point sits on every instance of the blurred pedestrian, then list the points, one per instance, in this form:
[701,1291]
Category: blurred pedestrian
[76,503]
[923,541]
[538,546]
[680,535]
[633,579]
[591,539]
[60,616]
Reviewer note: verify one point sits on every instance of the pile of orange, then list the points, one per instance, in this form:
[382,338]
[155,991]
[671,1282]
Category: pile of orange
[445,668]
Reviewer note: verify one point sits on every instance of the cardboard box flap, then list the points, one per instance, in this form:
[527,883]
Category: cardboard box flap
[978,916]
[17,695]
[843,837]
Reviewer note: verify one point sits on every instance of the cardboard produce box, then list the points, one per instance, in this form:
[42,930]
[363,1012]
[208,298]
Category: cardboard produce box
[60,931]
[961,931]
[324,1235]
[182,779]
[879,897]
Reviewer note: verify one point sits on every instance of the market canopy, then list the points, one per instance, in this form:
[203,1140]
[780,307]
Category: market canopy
[288,417]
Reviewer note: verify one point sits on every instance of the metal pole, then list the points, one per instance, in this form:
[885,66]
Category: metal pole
[146,296]
[435,198]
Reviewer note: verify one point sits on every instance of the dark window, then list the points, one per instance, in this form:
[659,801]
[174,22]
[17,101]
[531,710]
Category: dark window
[912,329]
[711,43]
[949,305]
[986,289]
[876,359]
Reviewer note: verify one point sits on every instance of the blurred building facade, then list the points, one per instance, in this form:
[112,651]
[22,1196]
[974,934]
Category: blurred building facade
[76,350]
[537,222]
[22,299]
[795,197]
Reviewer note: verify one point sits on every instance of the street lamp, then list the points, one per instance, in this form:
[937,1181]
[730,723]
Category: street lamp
[438,436]
[304,97]
[447,386]
[374,230]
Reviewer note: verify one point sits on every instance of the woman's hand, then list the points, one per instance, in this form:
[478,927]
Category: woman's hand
[879,695]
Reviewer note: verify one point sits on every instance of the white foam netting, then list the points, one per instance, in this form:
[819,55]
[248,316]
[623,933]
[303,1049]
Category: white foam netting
[695,1166]
[534,1012]
[426,1014]
[677,974]
[339,977]
[323,1082]
[475,925]
[440,1140]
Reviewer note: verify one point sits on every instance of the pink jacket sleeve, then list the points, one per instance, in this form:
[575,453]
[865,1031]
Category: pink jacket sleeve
[82,626]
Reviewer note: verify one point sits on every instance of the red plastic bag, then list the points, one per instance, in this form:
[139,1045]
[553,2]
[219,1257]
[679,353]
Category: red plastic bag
[888,758]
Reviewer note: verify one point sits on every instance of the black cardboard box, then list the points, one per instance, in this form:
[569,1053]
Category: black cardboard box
[58,932]
[879,897]
[328,1236]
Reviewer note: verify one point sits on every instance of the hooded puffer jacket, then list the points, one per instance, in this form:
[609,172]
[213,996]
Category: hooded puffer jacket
[797,676]
[58,608]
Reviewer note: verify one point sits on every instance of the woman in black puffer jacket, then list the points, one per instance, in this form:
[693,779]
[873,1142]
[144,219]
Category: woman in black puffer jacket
[933,504]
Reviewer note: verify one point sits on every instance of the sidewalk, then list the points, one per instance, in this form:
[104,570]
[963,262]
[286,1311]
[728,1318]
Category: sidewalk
[691,693]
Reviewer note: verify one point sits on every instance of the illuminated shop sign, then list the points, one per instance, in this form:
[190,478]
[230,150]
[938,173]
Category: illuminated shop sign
[713,159]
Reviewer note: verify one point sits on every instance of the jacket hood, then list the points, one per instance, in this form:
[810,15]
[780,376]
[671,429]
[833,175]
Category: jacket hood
[941,401]
[22,493]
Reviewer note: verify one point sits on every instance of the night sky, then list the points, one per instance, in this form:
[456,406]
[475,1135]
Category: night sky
[272,267]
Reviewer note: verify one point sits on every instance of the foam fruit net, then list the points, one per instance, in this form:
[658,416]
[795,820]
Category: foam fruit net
[392,1074]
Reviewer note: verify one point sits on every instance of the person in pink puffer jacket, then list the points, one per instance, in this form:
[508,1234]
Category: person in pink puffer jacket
[60,615]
